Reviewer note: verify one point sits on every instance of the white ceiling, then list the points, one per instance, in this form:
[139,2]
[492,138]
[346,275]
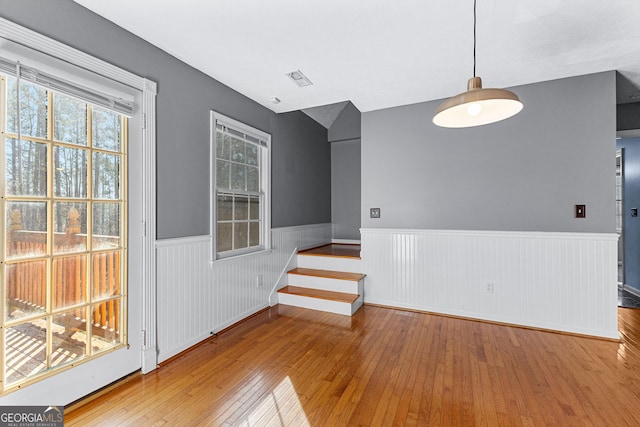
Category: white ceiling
[380,54]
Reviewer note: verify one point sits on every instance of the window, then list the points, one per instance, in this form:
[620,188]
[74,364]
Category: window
[63,259]
[240,163]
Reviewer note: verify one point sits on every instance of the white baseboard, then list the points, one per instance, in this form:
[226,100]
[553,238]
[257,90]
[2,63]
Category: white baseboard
[346,241]
[631,290]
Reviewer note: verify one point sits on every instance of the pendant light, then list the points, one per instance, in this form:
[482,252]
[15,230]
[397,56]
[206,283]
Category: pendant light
[477,106]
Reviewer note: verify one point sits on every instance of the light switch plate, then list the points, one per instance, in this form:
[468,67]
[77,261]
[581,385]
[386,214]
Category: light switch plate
[374,213]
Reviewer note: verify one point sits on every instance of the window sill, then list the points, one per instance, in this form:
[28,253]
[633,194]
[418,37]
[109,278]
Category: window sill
[240,257]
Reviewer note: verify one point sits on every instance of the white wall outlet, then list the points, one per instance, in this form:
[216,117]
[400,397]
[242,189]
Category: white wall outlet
[489,288]
[258,280]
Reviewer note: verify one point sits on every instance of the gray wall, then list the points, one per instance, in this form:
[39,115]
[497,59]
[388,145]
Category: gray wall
[347,125]
[344,135]
[522,174]
[631,199]
[301,171]
[185,97]
[345,189]
[628,116]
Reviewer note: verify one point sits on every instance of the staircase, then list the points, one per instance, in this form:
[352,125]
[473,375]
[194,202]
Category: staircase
[327,279]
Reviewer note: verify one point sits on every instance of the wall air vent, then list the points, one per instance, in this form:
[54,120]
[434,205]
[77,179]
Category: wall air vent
[299,78]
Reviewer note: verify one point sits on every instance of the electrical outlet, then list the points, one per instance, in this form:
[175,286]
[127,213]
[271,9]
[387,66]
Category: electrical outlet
[258,280]
[374,213]
[488,288]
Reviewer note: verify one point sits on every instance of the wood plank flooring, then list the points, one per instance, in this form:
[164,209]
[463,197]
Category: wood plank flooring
[294,367]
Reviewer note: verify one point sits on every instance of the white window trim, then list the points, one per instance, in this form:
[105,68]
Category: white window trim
[265,186]
[142,236]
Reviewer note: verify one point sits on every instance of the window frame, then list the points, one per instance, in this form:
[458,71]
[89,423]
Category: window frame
[264,191]
[51,256]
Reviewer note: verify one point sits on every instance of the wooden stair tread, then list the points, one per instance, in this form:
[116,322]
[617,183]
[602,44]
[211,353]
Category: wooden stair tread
[319,293]
[340,275]
[335,250]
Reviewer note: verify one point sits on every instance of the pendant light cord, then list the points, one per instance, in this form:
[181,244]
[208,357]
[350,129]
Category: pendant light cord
[474,38]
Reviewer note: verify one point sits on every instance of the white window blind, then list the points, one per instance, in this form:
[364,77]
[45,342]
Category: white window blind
[61,76]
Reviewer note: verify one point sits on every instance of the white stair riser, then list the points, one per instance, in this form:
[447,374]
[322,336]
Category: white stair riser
[348,265]
[329,306]
[326,284]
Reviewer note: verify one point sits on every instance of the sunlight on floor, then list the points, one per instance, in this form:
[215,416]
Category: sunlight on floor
[281,407]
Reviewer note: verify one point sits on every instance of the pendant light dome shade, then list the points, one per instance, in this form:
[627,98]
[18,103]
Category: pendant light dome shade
[477,106]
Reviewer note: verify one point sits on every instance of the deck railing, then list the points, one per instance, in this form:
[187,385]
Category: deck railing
[26,281]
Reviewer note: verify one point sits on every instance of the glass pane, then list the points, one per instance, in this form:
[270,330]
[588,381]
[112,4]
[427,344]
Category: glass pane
[223,237]
[253,181]
[225,207]
[69,281]
[223,146]
[70,173]
[106,176]
[33,109]
[26,168]
[254,208]
[240,235]
[69,337]
[241,205]
[254,234]
[222,174]
[70,227]
[105,129]
[252,155]
[237,177]
[237,150]
[25,350]
[106,226]
[106,275]
[69,120]
[26,289]
[26,223]
[106,321]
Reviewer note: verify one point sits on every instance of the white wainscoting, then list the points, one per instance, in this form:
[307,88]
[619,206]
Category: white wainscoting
[197,298]
[558,281]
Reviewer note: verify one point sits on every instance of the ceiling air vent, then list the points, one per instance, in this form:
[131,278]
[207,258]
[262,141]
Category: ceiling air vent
[299,78]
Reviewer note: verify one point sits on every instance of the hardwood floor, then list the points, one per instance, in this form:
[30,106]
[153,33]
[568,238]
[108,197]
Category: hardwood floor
[334,250]
[295,367]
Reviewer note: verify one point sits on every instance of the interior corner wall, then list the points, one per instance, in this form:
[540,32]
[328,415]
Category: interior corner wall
[631,199]
[185,98]
[347,125]
[344,136]
[522,174]
[300,171]
[345,189]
